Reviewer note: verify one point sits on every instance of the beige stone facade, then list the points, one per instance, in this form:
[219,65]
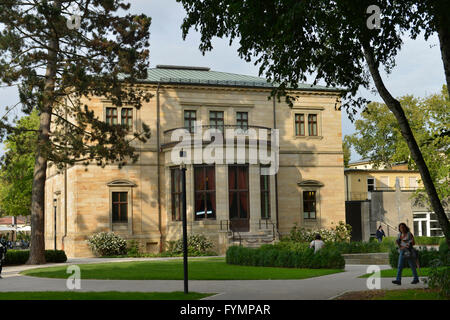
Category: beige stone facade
[82,196]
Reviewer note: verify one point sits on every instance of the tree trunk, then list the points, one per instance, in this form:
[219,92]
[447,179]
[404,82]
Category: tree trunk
[396,108]
[37,248]
[443,28]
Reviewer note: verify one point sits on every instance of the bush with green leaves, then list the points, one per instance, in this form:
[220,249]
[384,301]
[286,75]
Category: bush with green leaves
[283,256]
[133,249]
[198,244]
[17,257]
[357,247]
[341,232]
[439,278]
[426,257]
[107,244]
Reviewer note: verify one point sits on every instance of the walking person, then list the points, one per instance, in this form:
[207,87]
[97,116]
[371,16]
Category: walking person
[380,234]
[405,243]
[3,250]
[317,244]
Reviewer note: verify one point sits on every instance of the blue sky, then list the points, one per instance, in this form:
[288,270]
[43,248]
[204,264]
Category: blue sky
[419,69]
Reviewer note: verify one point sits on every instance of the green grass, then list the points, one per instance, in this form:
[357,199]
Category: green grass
[108,295]
[199,269]
[392,273]
[410,294]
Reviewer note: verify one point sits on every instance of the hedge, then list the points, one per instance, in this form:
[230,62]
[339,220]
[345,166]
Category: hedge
[16,257]
[426,256]
[281,256]
[358,247]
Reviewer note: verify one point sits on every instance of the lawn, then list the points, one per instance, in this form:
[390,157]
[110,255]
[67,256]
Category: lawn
[108,295]
[392,273]
[408,294]
[199,269]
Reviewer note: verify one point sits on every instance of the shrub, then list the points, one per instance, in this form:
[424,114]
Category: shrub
[357,247]
[427,240]
[198,244]
[133,249]
[426,257]
[341,232]
[282,256]
[107,244]
[17,257]
[439,278]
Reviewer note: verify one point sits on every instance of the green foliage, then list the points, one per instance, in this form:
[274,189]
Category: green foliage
[133,249]
[378,136]
[17,257]
[341,232]
[357,247]
[346,148]
[439,278]
[16,173]
[428,240]
[426,257]
[198,244]
[283,256]
[107,244]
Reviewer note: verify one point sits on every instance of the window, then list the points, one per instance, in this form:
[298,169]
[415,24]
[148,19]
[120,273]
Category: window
[216,119]
[309,204]
[312,124]
[242,120]
[426,225]
[127,117]
[190,117]
[238,191]
[401,182]
[300,124]
[120,207]
[205,192]
[370,184]
[265,196]
[111,116]
[176,193]
[413,183]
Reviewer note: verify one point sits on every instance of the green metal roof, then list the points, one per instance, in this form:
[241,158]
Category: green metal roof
[204,76]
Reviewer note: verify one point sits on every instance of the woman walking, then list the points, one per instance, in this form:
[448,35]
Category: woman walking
[405,242]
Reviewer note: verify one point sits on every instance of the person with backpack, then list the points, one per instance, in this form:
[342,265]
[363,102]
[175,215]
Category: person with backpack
[405,243]
[3,251]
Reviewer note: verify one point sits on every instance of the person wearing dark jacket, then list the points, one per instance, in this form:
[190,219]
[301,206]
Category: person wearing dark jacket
[380,234]
[3,250]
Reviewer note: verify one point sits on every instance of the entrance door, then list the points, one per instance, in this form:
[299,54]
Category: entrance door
[239,198]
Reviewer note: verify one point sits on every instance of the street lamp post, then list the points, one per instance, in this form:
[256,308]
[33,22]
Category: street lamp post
[54,213]
[185,248]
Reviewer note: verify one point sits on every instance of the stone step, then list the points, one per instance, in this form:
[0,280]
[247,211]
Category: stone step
[379,258]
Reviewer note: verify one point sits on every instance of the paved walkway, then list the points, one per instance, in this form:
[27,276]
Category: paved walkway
[319,288]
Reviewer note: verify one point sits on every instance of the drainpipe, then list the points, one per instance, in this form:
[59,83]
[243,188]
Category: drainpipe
[158,143]
[276,175]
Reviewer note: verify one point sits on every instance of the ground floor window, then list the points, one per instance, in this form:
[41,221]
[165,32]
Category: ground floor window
[265,196]
[175,174]
[309,204]
[120,207]
[205,192]
[238,191]
[426,225]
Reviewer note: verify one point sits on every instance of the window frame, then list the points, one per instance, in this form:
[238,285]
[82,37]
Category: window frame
[177,194]
[265,193]
[119,203]
[111,117]
[128,116]
[191,120]
[205,192]
[313,201]
[215,119]
[240,121]
[239,190]
[298,125]
[315,122]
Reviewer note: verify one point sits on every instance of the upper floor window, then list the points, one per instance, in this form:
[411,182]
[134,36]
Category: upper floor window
[127,117]
[312,124]
[242,120]
[111,116]
[309,204]
[216,120]
[190,116]
[300,124]
[370,184]
[119,207]
[205,192]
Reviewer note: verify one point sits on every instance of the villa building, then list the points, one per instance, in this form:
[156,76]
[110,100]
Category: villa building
[227,201]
